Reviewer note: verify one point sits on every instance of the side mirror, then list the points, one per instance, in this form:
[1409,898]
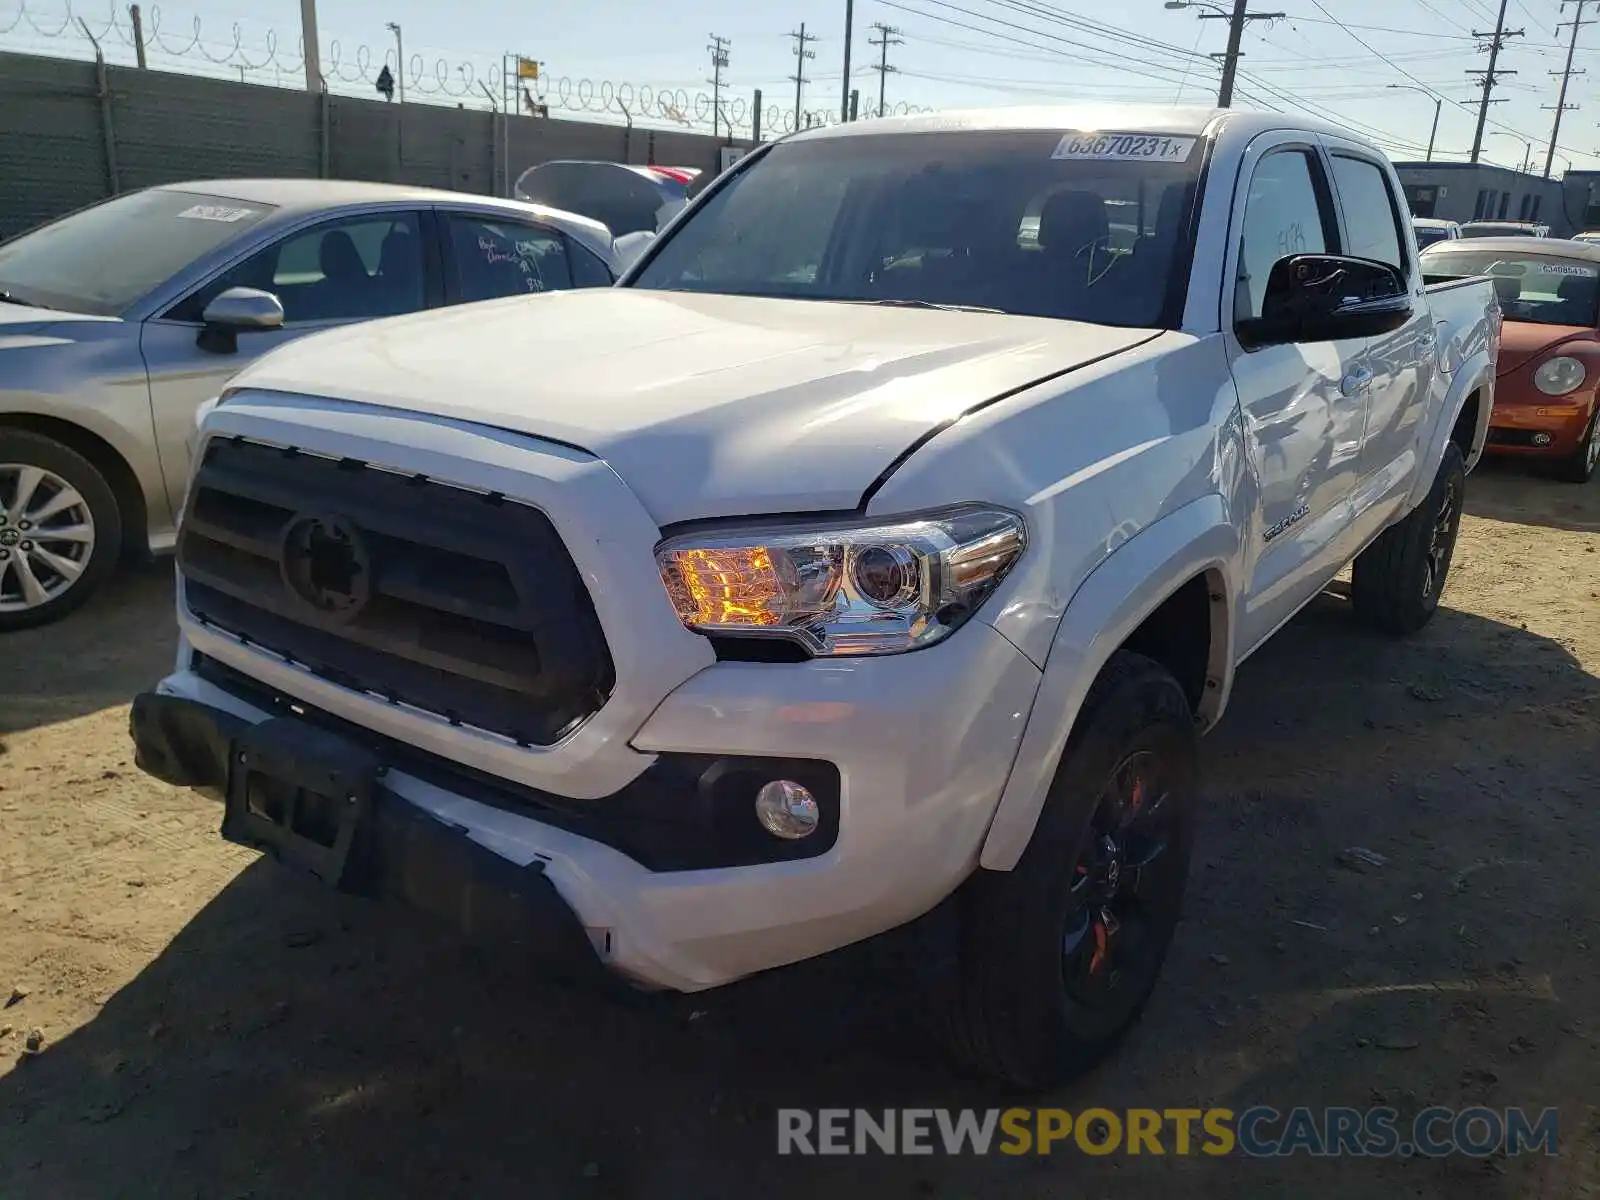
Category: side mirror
[1327,298]
[244,308]
[629,247]
[235,310]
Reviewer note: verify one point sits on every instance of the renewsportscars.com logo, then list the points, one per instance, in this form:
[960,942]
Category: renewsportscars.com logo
[1258,1132]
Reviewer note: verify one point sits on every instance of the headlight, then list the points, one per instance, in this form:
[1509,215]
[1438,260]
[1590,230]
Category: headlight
[1558,376]
[844,588]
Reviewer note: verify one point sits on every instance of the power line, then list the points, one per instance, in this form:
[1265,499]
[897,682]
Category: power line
[887,36]
[1379,135]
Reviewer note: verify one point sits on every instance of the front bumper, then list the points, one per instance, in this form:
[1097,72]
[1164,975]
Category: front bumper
[408,857]
[1522,413]
[923,744]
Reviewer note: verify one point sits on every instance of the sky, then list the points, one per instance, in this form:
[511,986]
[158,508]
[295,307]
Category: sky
[1376,65]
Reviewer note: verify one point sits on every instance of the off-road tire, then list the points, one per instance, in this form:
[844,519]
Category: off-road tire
[1005,1009]
[1396,582]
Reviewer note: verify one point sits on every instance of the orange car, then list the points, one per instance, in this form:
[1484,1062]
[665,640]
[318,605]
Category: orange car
[1549,368]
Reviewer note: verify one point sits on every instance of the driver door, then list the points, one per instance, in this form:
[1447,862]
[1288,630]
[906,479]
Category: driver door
[1304,407]
[352,268]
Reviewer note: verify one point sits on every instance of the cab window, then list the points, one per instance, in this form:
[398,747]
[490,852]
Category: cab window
[1288,211]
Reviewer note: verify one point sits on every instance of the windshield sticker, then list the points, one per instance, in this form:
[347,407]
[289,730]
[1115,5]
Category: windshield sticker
[1568,269]
[1125,147]
[216,212]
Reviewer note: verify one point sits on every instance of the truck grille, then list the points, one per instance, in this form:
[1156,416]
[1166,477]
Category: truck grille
[463,604]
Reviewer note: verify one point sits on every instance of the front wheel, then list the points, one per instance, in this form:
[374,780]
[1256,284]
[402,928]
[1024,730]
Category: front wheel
[1580,467]
[1396,582]
[1057,957]
[60,529]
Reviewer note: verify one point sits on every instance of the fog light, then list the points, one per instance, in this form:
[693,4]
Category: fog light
[787,810]
[1541,439]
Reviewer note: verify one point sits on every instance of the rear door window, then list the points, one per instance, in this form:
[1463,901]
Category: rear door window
[1371,216]
[495,258]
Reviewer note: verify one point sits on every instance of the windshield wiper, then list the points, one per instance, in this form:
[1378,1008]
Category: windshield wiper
[9,298]
[971,308]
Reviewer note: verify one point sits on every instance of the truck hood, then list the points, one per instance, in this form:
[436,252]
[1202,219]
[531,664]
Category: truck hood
[705,405]
[1522,341]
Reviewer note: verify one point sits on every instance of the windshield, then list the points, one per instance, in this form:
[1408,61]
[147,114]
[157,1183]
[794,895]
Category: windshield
[1540,289]
[101,259]
[1088,228]
[1427,235]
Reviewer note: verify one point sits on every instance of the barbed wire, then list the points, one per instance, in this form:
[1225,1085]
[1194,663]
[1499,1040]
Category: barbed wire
[424,77]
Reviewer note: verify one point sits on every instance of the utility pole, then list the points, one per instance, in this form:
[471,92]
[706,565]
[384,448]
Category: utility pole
[801,40]
[719,62]
[849,26]
[1562,106]
[138,36]
[887,36]
[1237,20]
[1491,77]
[309,45]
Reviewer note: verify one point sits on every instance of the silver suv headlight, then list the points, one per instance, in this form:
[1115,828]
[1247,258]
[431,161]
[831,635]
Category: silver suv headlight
[841,587]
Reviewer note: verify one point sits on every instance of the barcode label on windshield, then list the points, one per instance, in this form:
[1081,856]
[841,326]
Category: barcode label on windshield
[1125,147]
[216,212]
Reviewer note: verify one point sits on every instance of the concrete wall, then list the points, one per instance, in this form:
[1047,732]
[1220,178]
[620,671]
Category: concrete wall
[65,142]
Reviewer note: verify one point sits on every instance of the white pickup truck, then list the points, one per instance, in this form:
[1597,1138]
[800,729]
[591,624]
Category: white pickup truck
[888,535]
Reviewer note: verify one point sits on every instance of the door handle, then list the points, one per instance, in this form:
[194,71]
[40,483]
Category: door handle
[1355,381]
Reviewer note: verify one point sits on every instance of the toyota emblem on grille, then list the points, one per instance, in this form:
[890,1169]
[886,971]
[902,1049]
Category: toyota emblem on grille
[325,565]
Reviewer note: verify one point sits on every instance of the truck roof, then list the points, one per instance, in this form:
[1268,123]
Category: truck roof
[1141,118]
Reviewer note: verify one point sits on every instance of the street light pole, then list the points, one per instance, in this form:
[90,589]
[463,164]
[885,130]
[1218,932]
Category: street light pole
[1527,147]
[1438,106]
[399,60]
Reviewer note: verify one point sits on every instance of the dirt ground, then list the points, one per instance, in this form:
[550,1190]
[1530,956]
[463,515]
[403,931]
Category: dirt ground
[213,1026]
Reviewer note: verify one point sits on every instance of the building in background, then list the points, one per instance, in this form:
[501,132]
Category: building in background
[1458,191]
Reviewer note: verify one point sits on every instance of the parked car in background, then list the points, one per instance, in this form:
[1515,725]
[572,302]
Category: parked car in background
[118,321]
[1588,235]
[1549,369]
[1430,230]
[1479,229]
[624,198]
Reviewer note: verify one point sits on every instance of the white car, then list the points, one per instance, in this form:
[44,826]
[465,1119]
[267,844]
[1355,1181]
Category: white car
[856,552]
[1429,230]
